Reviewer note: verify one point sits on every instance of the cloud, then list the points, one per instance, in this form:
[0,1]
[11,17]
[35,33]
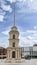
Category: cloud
[3,9]
[2,14]
[5,45]
[6,32]
[6,8]
[33,5]
[1,18]
[27,6]
[28,38]
[32,31]
[11,1]
[24,41]
[21,0]
[35,27]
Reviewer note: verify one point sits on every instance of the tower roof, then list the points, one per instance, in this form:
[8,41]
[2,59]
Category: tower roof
[14,28]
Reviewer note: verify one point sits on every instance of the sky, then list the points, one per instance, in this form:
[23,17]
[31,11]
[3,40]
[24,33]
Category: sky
[26,21]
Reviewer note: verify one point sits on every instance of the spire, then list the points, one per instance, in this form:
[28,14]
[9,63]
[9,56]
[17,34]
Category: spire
[14,14]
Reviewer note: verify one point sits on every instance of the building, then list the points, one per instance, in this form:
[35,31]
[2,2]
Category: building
[25,52]
[34,51]
[13,51]
[3,53]
[29,52]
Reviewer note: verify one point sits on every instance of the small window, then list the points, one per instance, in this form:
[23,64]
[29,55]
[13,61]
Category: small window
[13,44]
[13,36]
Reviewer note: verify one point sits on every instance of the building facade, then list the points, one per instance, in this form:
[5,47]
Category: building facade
[24,52]
[3,53]
[13,51]
[29,52]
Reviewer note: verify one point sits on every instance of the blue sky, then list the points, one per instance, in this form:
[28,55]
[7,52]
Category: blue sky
[26,21]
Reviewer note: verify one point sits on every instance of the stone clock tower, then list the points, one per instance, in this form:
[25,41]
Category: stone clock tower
[13,51]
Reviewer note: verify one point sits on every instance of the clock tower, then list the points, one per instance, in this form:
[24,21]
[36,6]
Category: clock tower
[14,51]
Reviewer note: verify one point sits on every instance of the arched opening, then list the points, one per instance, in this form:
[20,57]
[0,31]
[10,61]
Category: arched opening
[13,36]
[13,44]
[13,54]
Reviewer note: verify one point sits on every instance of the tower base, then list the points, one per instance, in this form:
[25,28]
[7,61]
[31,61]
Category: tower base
[12,61]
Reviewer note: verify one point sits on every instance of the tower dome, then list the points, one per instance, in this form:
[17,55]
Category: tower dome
[14,28]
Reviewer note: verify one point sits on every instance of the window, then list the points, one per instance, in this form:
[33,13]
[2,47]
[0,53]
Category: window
[13,54]
[13,36]
[13,44]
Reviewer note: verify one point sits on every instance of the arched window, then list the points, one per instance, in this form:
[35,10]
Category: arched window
[13,44]
[13,36]
[13,54]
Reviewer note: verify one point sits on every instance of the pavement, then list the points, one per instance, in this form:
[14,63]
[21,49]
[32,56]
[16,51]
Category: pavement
[25,62]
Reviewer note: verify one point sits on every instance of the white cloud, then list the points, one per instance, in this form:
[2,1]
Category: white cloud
[27,6]
[24,41]
[6,8]
[31,0]
[6,32]
[11,1]
[21,0]
[1,15]
[31,31]
[5,45]
[1,18]
[28,38]
[35,27]
[33,5]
